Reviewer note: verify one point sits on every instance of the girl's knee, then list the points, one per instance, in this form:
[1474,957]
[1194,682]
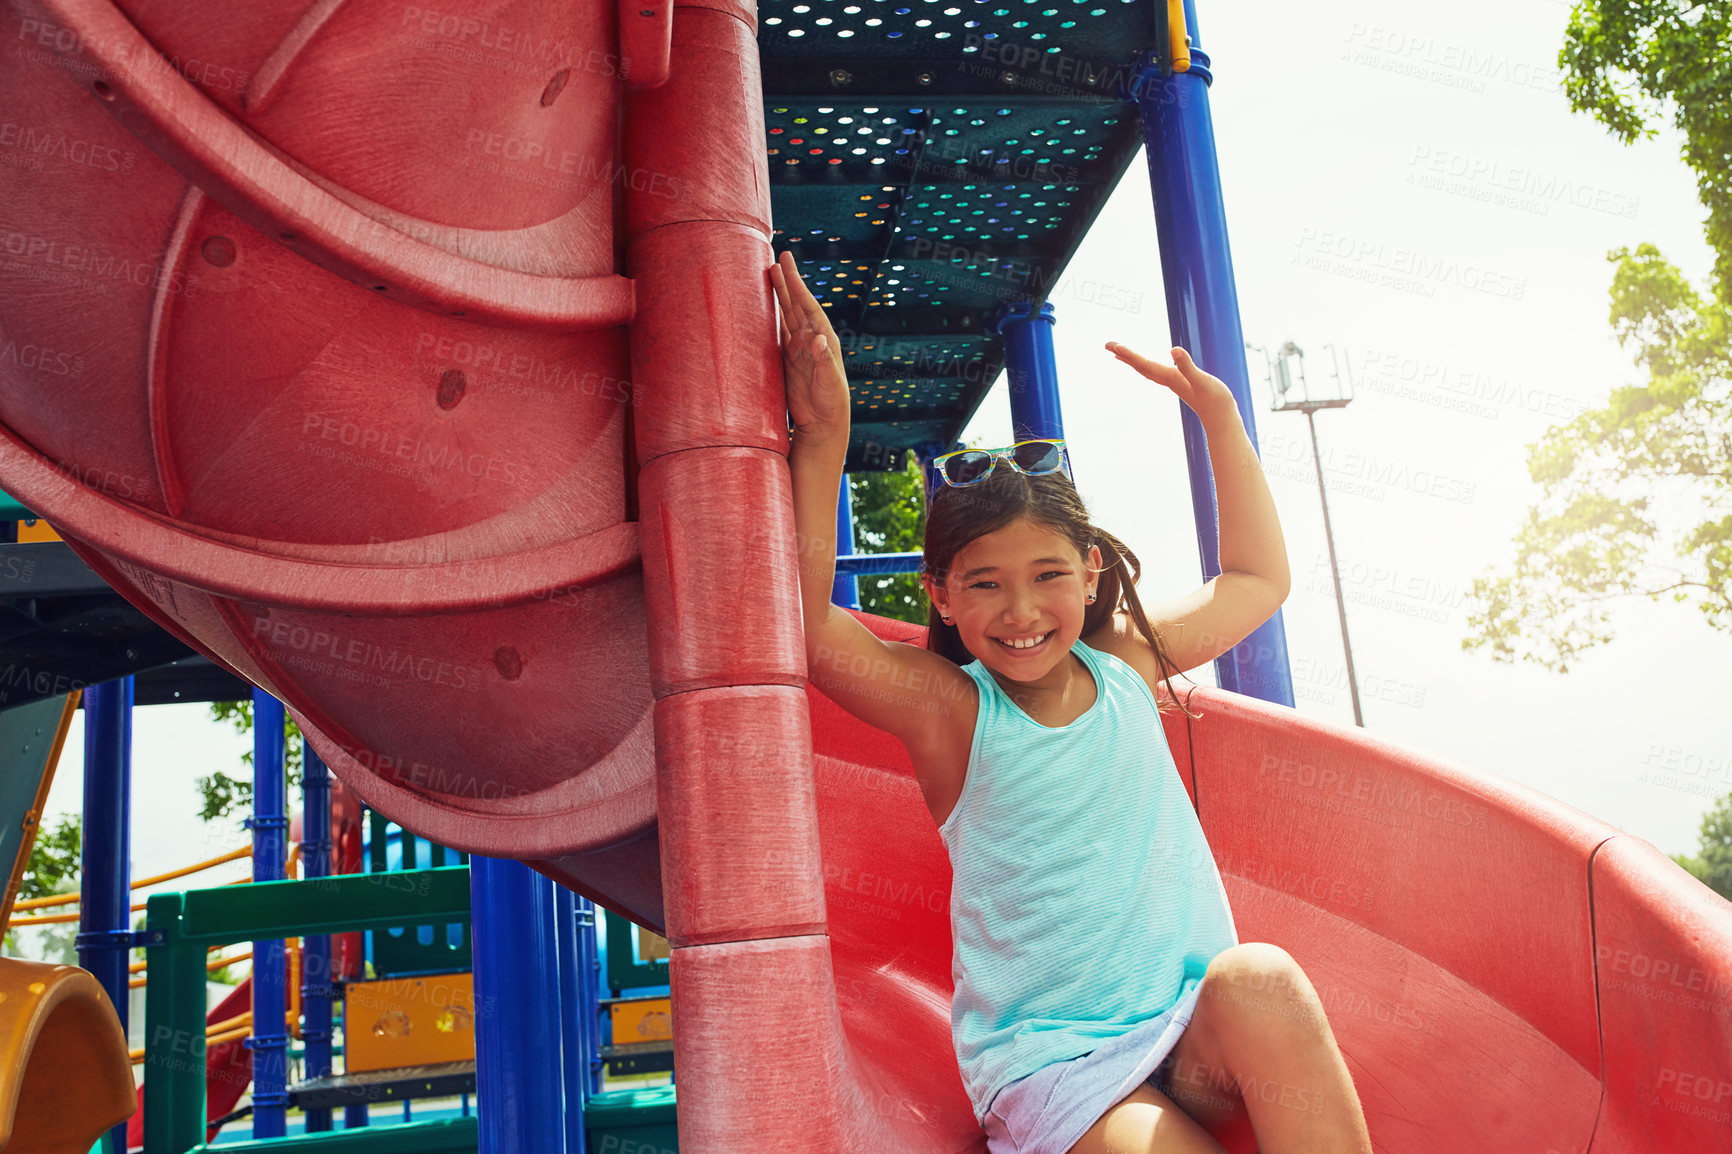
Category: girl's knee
[1264,978]
[1260,963]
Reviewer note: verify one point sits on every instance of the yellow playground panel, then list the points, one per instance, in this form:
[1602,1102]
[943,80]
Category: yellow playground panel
[644,1020]
[36,530]
[400,1022]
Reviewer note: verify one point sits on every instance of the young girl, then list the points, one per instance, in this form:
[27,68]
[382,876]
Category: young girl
[1103,1002]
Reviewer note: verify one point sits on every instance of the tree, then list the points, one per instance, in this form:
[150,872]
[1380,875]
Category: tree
[1659,452]
[53,868]
[223,795]
[54,859]
[1662,50]
[1713,865]
[890,517]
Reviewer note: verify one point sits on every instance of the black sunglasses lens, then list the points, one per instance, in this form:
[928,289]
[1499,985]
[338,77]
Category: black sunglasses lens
[966,467]
[1039,458]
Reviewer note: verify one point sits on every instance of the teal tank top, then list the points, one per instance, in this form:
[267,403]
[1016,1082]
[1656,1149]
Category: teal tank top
[1084,899]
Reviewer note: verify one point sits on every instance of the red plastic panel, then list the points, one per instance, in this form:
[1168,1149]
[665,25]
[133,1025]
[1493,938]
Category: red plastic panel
[78,277]
[1448,863]
[645,29]
[704,344]
[626,878]
[427,262]
[1663,948]
[694,150]
[742,786]
[814,1092]
[690,569]
[1439,1065]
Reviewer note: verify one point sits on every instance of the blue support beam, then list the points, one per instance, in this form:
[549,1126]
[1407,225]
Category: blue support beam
[846,590]
[316,988]
[1031,369]
[519,1077]
[589,972]
[571,1011]
[105,888]
[861,564]
[1203,316]
[270,825]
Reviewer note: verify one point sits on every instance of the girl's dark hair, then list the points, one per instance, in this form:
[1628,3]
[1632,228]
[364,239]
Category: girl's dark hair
[956,516]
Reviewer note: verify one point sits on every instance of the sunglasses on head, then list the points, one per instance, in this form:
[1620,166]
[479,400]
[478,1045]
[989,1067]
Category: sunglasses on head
[972,466]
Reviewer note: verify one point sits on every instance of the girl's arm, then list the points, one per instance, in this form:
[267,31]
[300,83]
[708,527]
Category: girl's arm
[1254,578]
[904,689]
[817,388]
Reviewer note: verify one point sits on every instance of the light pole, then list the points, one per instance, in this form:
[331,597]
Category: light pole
[1286,372]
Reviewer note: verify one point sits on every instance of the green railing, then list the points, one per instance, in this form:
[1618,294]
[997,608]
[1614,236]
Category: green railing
[179,927]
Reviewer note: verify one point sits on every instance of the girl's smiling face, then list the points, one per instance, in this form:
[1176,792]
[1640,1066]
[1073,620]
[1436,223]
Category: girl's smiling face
[1017,596]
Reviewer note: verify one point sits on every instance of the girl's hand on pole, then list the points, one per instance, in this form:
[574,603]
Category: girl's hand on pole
[812,372]
[1205,393]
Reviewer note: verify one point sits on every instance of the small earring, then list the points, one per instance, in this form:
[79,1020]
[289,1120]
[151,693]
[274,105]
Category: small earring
[946,619]
[1091,598]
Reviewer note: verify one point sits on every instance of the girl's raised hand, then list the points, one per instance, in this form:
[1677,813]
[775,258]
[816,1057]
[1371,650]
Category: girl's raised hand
[1203,392]
[812,372]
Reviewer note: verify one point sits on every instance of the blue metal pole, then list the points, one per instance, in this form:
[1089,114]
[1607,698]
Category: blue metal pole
[316,988]
[1203,316]
[359,1115]
[846,590]
[570,1015]
[1031,370]
[270,822]
[105,888]
[589,972]
[519,1083]
[927,455]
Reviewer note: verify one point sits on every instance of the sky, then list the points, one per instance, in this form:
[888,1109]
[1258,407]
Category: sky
[1351,135]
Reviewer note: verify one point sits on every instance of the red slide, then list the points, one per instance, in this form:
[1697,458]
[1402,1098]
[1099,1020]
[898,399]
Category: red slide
[486,478]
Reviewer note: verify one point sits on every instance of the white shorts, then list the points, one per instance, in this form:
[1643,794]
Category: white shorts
[1046,1112]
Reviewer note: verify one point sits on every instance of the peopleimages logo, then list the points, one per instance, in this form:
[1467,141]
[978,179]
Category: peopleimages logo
[1401,267]
[364,655]
[418,454]
[48,142]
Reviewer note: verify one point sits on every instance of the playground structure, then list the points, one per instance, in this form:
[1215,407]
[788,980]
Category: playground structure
[406,1037]
[520,656]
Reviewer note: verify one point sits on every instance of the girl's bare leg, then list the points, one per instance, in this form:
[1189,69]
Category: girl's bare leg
[1143,1121]
[1259,1067]
[1256,1070]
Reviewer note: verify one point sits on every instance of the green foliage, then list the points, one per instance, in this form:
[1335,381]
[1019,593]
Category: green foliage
[222,795]
[1712,866]
[1594,536]
[890,517]
[54,859]
[1618,53]
[53,868]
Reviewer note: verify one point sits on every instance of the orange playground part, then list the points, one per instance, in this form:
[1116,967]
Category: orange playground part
[64,1078]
